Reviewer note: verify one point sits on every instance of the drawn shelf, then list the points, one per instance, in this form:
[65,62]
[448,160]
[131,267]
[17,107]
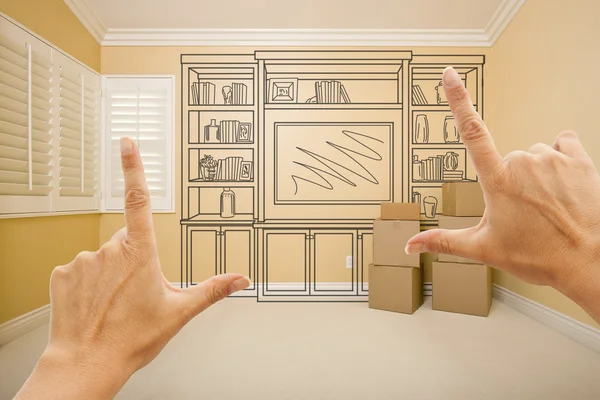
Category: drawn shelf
[227,87]
[439,165]
[206,201]
[286,89]
[351,106]
[434,128]
[221,127]
[201,182]
[427,89]
[429,183]
[217,219]
[221,107]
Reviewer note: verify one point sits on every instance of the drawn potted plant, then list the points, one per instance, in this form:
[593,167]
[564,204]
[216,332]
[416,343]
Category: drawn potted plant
[208,167]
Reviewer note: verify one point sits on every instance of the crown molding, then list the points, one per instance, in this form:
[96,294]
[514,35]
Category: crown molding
[295,37]
[501,18]
[88,18]
[298,37]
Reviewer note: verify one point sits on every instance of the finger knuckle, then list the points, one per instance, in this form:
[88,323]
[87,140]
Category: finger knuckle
[131,162]
[472,128]
[84,257]
[59,274]
[444,246]
[536,147]
[136,198]
[567,134]
[457,94]
[216,293]
[108,250]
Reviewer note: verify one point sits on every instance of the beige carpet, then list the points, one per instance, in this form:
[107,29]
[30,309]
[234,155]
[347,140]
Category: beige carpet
[240,349]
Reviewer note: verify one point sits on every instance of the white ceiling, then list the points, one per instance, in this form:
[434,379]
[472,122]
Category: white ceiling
[414,20]
[287,14]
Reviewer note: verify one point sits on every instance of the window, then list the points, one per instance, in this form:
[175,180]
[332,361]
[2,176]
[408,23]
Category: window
[35,176]
[141,108]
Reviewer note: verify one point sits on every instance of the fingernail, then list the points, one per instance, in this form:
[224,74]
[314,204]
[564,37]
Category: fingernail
[239,284]
[126,146]
[414,248]
[451,78]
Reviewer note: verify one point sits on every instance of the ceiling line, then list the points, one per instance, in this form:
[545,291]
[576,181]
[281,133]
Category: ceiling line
[298,37]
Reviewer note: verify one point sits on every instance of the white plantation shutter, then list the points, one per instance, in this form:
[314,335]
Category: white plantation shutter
[26,118]
[50,108]
[142,109]
[78,138]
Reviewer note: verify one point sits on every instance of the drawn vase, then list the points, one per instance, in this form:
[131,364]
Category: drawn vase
[207,173]
[430,204]
[416,198]
[421,133]
[212,132]
[227,203]
[451,134]
[451,161]
[441,95]
[417,169]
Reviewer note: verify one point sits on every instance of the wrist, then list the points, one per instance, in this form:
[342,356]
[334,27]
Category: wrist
[582,285]
[76,375]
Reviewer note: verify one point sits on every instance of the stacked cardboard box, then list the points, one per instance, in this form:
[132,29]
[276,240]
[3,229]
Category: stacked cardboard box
[395,278]
[461,285]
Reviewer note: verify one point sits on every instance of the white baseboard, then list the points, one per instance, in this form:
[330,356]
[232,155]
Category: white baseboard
[564,324]
[19,326]
[333,286]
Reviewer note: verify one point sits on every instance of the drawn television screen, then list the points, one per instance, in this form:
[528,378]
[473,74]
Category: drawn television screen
[325,163]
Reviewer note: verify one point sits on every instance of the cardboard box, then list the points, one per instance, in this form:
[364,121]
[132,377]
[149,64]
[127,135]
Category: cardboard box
[398,289]
[389,241]
[462,288]
[401,211]
[446,222]
[462,199]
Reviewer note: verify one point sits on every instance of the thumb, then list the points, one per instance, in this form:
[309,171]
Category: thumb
[199,297]
[459,242]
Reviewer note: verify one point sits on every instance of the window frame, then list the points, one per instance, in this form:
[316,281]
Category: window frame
[105,154]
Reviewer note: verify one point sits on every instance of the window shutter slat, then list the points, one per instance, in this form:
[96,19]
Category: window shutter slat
[25,127]
[11,189]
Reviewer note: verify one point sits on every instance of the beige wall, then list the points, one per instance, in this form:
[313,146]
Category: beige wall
[31,247]
[54,21]
[542,79]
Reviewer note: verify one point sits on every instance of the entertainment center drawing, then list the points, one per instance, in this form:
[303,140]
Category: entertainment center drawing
[287,156]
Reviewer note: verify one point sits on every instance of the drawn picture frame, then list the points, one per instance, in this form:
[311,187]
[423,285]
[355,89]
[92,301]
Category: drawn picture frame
[245,134]
[247,171]
[284,90]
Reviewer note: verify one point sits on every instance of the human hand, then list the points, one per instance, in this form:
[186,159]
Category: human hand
[542,217]
[113,311]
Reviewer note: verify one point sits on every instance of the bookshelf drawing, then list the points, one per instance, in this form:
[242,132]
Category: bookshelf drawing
[287,156]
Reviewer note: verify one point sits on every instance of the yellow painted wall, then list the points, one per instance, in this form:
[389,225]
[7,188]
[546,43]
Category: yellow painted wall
[541,79]
[31,247]
[54,21]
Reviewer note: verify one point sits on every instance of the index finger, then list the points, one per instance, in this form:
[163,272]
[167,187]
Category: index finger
[138,212]
[472,129]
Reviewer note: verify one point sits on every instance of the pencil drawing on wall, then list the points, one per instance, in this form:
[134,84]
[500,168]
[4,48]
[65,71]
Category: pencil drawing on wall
[287,156]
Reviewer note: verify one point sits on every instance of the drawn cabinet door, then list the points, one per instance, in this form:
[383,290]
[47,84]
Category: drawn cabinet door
[237,252]
[286,260]
[364,258]
[204,252]
[333,255]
